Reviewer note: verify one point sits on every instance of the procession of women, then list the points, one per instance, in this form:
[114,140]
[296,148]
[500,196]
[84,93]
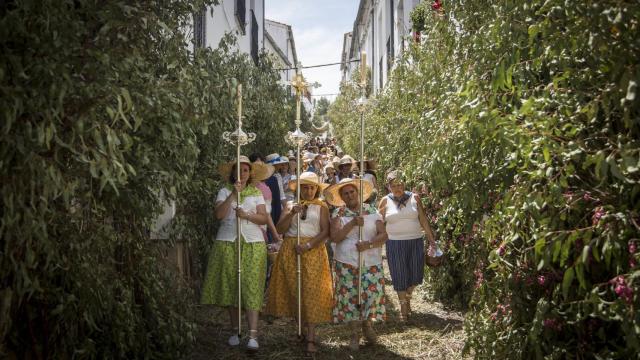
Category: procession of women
[303,236]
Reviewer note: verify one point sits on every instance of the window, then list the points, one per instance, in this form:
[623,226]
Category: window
[254,38]
[200,28]
[241,14]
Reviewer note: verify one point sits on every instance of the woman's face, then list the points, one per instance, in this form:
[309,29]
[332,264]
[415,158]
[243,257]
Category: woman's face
[308,191]
[396,187]
[245,172]
[349,194]
[330,172]
[292,165]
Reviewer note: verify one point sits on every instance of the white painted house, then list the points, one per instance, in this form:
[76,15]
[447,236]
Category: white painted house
[280,45]
[243,18]
[381,28]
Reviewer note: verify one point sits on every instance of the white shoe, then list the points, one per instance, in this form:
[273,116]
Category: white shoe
[234,340]
[253,344]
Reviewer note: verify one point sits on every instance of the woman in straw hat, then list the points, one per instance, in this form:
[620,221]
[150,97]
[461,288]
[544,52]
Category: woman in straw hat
[220,283]
[317,297]
[344,232]
[405,221]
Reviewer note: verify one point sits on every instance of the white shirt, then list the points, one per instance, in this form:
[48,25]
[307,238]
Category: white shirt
[309,227]
[346,251]
[228,230]
[403,224]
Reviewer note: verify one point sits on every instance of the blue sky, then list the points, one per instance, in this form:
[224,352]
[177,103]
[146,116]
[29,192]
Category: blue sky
[318,28]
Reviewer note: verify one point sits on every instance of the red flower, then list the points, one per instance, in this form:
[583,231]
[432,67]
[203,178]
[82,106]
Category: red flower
[436,5]
[373,270]
[373,287]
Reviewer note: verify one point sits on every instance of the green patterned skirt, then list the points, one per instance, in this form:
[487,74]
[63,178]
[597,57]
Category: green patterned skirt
[221,281]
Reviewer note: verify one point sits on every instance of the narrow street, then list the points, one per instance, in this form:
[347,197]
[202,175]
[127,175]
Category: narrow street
[432,332]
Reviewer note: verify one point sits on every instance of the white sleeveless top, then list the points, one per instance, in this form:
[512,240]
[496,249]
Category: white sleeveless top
[403,224]
[309,227]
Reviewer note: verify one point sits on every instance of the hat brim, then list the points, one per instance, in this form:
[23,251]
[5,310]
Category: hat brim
[259,171]
[292,184]
[332,193]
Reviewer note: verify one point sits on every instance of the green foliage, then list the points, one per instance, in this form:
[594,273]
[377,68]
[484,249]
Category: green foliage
[105,114]
[521,120]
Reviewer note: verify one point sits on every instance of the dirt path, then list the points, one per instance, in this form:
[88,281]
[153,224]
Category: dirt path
[431,333]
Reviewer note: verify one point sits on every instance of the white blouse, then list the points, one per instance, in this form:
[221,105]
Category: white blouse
[250,231]
[309,227]
[403,224]
[346,251]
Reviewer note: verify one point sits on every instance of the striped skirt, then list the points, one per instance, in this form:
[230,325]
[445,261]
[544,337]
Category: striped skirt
[406,262]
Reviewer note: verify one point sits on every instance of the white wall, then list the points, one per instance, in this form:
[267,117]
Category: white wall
[223,20]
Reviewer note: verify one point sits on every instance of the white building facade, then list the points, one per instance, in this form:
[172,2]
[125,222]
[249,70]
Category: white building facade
[381,29]
[279,44]
[242,18]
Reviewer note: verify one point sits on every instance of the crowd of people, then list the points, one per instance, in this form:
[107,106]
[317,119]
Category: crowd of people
[328,219]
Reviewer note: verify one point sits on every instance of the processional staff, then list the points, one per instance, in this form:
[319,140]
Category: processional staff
[239,138]
[298,139]
[361,109]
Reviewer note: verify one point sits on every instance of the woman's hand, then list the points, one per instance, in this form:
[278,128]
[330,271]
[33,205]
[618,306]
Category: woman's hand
[302,248]
[237,187]
[357,220]
[364,245]
[297,209]
[241,213]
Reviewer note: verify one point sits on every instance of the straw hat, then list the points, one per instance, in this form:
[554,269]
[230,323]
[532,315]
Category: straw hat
[275,159]
[332,193]
[346,160]
[310,178]
[309,156]
[328,166]
[259,170]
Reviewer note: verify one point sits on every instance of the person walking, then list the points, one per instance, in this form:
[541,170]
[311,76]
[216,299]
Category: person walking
[317,292]
[349,282]
[220,285]
[405,221]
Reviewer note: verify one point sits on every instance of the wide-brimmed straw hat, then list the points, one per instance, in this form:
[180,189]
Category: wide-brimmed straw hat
[332,193]
[259,170]
[275,159]
[335,161]
[310,178]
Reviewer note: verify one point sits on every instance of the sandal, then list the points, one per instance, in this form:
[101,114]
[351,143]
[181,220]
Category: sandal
[252,344]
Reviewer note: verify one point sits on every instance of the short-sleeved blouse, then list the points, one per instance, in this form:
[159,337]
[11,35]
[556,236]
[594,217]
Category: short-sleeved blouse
[251,197]
[346,251]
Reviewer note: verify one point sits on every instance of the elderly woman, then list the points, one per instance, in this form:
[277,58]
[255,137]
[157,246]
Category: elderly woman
[221,283]
[317,294]
[350,281]
[329,174]
[405,221]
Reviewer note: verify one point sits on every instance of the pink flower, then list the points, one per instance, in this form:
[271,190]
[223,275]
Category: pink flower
[632,247]
[542,280]
[598,213]
[622,289]
[501,250]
